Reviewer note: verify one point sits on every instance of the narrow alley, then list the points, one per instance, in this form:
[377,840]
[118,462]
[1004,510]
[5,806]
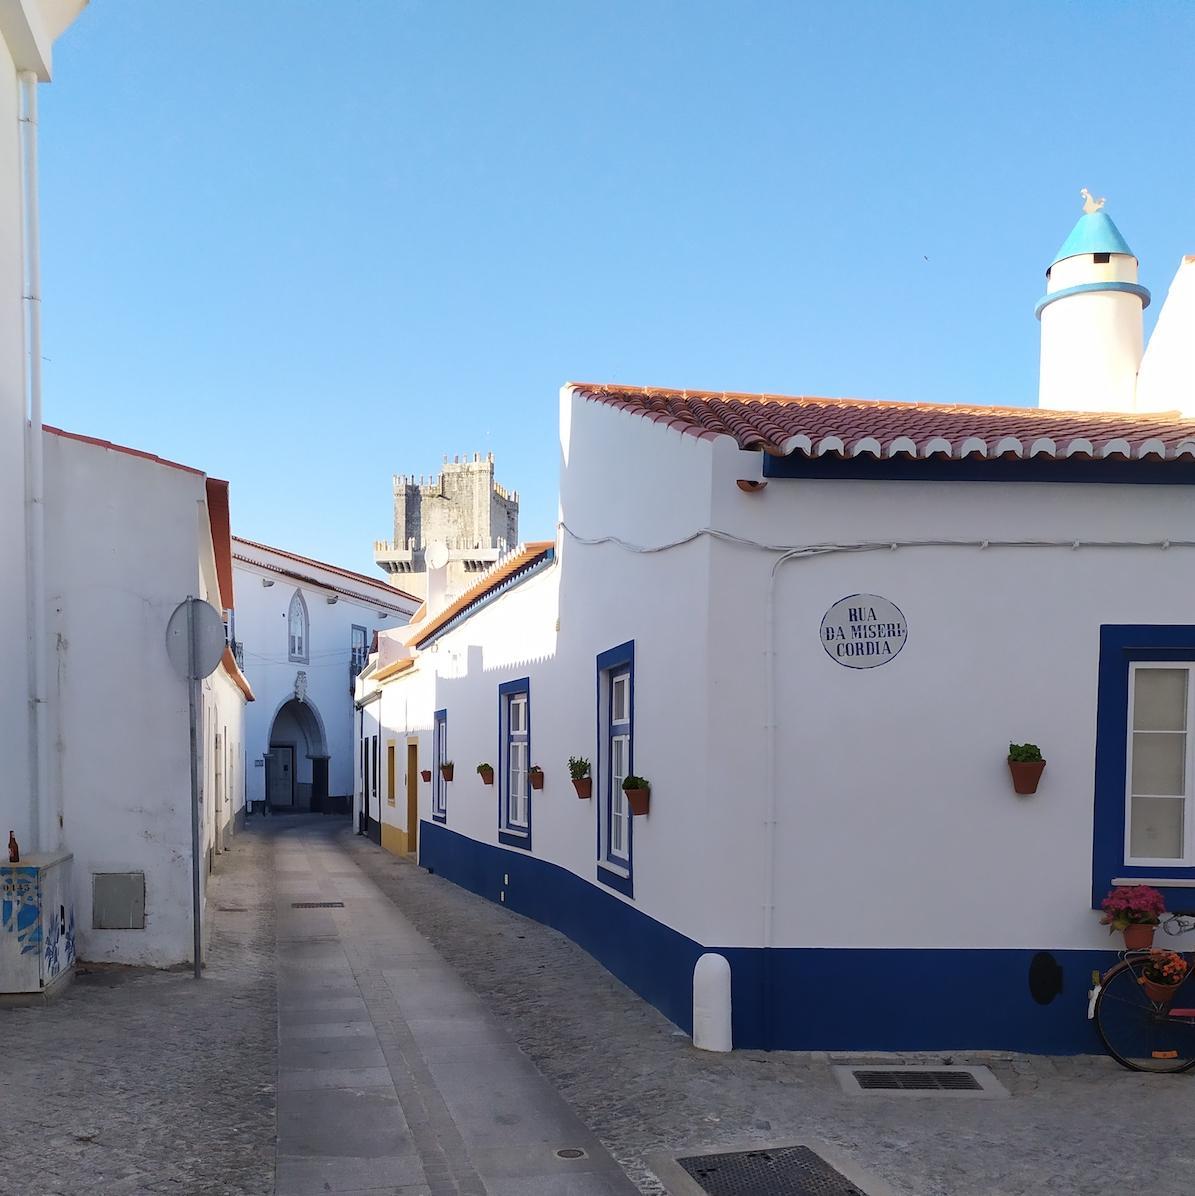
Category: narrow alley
[365,1026]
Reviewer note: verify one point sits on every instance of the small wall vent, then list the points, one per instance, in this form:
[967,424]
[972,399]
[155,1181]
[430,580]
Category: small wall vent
[118,901]
[317,905]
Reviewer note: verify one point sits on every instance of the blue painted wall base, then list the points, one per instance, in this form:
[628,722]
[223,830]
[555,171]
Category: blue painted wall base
[820,998]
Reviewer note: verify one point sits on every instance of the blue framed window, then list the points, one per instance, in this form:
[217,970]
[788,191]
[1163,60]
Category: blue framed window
[615,762]
[1144,821]
[514,763]
[439,756]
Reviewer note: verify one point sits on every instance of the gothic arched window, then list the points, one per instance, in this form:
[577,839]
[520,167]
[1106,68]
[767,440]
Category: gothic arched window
[296,625]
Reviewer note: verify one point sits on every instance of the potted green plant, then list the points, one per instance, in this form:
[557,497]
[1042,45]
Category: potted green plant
[578,769]
[1161,975]
[1026,764]
[486,772]
[446,770]
[536,774]
[638,792]
[1134,910]
[426,773]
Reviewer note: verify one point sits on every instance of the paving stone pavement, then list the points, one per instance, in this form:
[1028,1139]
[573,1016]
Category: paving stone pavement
[137,1080]
[1074,1126]
[388,1025]
[392,1074]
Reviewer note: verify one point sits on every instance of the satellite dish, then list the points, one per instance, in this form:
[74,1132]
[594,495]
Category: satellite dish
[436,554]
[208,641]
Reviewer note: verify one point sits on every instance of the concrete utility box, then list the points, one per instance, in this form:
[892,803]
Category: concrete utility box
[118,901]
[37,923]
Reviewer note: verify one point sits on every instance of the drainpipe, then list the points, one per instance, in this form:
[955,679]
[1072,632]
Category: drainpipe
[47,819]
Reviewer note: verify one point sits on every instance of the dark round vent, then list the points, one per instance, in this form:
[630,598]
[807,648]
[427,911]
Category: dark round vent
[1045,978]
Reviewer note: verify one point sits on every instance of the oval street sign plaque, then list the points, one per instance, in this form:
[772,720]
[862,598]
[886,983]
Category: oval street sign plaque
[862,631]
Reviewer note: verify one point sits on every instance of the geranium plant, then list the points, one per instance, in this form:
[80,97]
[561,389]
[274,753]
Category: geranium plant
[1165,967]
[1132,905]
[578,767]
[1024,753]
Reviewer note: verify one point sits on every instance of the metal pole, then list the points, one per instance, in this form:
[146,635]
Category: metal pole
[192,688]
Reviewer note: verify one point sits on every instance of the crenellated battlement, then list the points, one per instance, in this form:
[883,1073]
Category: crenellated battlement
[461,506]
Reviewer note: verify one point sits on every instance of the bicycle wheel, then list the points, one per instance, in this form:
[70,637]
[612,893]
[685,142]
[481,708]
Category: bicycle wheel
[1142,1035]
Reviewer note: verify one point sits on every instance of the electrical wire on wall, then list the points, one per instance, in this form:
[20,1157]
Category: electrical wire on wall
[797,552]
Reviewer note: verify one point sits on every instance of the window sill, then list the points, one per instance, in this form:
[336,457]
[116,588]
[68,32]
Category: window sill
[616,878]
[521,839]
[1161,882]
[440,817]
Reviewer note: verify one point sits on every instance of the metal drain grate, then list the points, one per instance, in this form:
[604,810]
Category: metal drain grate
[932,1080]
[919,1081]
[779,1171]
[317,905]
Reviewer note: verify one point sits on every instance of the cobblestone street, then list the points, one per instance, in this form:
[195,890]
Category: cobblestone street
[146,1082]
[143,1081]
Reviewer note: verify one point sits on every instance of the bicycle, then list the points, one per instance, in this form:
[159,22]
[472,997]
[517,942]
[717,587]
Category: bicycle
[1141,1034]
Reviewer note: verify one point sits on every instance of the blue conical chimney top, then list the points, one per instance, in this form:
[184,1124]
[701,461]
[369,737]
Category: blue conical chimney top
[1094,233]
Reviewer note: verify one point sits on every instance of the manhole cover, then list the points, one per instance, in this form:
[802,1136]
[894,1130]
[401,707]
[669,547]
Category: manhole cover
[778,1171]
[571,1152]
[317,905]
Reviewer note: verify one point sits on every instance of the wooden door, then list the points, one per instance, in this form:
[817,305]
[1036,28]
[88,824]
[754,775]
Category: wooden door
[413,798]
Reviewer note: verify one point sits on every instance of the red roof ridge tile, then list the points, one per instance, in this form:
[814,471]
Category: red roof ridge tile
[120,448]
[376,582]
[619,391]
[502,569]
[817,426]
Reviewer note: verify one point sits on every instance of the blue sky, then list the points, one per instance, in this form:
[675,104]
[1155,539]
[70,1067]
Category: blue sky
[306,245]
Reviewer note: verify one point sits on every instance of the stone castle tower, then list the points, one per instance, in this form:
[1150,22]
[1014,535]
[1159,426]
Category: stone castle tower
[475,518]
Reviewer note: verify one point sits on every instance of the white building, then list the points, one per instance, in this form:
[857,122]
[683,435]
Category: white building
[129,536]
[28,29]
[814,626]
[303,630]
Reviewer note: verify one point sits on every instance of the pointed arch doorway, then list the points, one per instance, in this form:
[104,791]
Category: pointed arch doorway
[297,760]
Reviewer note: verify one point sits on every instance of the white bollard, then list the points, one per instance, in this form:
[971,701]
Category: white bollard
[711,1003]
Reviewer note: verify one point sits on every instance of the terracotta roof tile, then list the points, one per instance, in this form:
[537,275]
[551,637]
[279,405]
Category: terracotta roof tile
[782,424]
[362,578]
[496,576]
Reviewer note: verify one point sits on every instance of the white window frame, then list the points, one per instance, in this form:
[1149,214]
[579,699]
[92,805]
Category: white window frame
[439,756]
[518,763]
[1188,857]
[618,810]
[298,652]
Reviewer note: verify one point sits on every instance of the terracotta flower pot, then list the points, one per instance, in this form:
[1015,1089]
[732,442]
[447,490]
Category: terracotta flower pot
[487,775]
[583,786]
[446,771]
[1026,774]
[638,800]
[1139,936]
[426,774]
[1162,994]
[537,778]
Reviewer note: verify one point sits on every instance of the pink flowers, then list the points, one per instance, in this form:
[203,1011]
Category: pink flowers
[1129,905]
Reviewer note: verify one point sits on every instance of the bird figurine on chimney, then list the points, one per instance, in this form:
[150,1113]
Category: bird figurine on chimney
[14,852]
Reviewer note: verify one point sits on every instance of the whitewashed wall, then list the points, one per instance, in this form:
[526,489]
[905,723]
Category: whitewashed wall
[127,548]
[27,32]
[261,625]
[15,808]
[901,769]
[897,824]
